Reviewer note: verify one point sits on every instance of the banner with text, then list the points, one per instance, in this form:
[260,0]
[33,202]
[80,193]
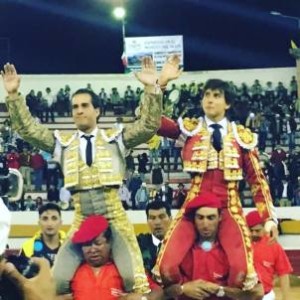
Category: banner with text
[158,47]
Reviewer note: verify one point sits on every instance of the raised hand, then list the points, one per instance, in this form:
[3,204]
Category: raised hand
[170,70]
[11,79]
[148,75]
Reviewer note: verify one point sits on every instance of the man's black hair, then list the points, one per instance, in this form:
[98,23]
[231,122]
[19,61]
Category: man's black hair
[156,205]
[49,206]
[108,234]
[223,86]
[94,97]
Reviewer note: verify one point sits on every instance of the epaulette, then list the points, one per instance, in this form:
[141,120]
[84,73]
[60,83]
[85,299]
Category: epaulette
[190,126]
[111,134]
[244,136]
[65,138]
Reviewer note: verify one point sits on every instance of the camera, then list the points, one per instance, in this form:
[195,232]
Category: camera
[11,181]
[23,265]
[8,289]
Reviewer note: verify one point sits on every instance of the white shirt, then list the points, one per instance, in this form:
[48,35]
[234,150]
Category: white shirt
[83,143]
[223,123]
[50,98]
[124,193]
[288,127]
[270,296]
[155,240]
[64,195]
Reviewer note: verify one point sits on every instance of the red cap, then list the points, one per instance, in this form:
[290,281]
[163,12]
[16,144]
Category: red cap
[253,218]
[203,200]
[89,229]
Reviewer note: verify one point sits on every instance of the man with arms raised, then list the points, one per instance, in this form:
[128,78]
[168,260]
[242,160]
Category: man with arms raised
[93,164]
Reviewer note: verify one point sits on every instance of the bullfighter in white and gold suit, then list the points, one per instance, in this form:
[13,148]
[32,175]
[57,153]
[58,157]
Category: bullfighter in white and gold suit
[93,165]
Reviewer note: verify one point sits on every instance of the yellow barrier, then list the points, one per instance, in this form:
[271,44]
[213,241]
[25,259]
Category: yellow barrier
[27,231]
[290,227]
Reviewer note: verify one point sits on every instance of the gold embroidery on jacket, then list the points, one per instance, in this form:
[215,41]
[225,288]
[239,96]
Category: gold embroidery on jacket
[103,171]
[190,123]
[205,157]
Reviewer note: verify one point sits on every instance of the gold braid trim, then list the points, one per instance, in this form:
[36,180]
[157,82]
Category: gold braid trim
[118,217]
[65,138]
[78,217]
[111,134]
[268,203]
[235,211]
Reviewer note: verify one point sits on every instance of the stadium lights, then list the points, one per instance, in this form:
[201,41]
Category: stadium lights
[119,12]
[279,14]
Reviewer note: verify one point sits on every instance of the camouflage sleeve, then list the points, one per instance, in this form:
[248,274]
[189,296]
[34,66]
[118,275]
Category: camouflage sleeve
[147,125]
[27,127]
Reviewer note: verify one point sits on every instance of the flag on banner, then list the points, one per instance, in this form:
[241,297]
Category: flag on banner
[124,60]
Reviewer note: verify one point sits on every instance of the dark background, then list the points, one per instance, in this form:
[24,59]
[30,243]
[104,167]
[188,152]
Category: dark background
[81,36]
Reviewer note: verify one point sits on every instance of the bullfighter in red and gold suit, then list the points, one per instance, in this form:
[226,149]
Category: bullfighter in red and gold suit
[217,166]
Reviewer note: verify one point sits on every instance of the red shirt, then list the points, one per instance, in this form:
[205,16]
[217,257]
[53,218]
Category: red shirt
[270,260]
[278,156]
[37,161]
[210,266]
[13,160]
[86,285]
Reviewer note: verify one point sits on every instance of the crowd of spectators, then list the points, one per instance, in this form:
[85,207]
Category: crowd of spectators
[46,105]
[251,104]
[42,175]
[267,110]
[270,111]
